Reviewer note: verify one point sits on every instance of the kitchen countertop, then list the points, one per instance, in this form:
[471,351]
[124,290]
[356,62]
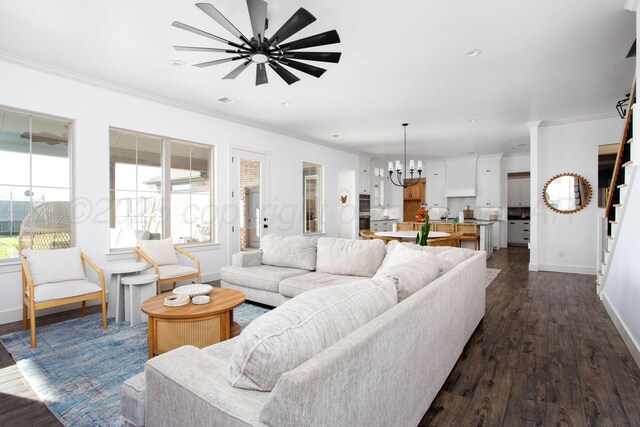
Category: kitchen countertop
[390,219]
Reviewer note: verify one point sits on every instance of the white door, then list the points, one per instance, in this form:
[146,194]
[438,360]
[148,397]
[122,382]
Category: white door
[248,217]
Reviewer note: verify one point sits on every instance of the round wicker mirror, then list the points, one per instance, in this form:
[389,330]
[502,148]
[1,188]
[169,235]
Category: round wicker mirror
[567,193]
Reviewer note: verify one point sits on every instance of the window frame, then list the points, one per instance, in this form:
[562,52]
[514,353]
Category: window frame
[71,151]
[165,189]
[320,201]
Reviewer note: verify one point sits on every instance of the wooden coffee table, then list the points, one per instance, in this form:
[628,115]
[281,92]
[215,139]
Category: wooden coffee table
[191,324]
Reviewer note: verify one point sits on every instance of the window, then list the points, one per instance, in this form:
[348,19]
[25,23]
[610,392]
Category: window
[313,198]
[35,172]
[159,187]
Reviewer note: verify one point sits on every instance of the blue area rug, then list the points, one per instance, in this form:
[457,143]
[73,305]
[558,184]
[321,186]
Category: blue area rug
[78,368]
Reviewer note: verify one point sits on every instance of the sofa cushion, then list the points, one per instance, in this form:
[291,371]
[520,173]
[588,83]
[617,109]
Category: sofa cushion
[302,327]
[132,400]
[389,248]
[161,252]
[350,257]
[411,270]
[56,265]
[294,286]
[289,251]
[263,277]
[60,290]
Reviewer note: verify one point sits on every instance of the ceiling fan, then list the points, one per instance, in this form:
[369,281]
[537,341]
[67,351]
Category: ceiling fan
[262,50]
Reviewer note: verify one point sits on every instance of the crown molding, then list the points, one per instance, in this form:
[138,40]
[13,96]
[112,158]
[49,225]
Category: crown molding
[632,5]
[547,123]
[126,90]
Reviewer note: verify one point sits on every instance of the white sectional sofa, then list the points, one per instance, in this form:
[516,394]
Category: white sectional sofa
[374,351]
[287,266]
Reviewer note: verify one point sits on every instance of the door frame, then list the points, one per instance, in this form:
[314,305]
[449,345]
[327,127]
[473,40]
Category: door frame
[264,157]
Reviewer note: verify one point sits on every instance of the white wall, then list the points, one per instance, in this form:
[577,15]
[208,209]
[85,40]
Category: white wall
[95,108]
[567,243]
[347,213]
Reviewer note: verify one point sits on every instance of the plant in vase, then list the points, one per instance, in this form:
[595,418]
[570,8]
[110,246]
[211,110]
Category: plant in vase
[423,234]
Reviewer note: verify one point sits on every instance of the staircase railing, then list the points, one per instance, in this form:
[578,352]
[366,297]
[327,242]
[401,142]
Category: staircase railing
[627,133]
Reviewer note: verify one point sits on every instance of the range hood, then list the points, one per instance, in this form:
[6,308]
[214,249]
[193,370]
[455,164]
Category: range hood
[460,177]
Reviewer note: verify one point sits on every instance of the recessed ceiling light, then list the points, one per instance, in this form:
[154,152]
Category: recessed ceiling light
[472,121]
[522,145]
[471,152]
[285,104]
[472,53]
[226,100]
[335,135]
[178,62]
[506,140]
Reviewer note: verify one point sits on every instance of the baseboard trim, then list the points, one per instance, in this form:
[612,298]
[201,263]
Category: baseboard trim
[575,269]
[632,345]
[533,267]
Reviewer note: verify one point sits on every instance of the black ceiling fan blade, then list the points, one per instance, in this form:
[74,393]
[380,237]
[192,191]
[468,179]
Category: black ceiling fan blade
[315,56]
[258,16]
[236,71]
[305,68]
[220,19]
[286,75]
[203,49]
[261,75]
[329,37]
[194,30]
[297,22]
[219,61]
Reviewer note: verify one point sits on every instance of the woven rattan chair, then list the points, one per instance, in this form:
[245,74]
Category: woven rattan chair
[453,240]
[47,226]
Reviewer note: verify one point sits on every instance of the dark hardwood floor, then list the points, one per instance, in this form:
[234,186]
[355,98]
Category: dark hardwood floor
[545,354]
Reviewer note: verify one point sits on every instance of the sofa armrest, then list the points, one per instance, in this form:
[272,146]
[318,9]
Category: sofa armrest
[187,386]
[247,259]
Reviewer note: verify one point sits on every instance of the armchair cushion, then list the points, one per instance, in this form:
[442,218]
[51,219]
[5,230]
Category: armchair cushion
[60,290]
[175,271]
[57,265]
[161,252]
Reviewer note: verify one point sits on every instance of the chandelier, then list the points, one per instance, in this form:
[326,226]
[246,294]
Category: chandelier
[408,182]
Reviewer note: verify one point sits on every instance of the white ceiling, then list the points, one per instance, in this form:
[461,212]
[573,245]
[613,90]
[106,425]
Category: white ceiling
[402,61]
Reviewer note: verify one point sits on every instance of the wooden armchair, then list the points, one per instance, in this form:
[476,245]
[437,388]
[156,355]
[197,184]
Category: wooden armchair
[161,254]
[57,277]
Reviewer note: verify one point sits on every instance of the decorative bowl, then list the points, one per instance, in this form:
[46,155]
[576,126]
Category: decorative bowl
[201,299]
[193,290]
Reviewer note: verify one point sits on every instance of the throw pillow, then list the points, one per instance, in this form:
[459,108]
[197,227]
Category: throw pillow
[53,266]
[411,270]
[289,251]
[161,252]
[350,257]
[302,327]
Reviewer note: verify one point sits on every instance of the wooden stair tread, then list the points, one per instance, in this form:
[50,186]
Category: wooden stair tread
[619,205]
[630,140]
[622,186]
[629,163]
[613,222]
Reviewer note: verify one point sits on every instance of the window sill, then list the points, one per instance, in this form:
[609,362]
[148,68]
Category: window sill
[125,254]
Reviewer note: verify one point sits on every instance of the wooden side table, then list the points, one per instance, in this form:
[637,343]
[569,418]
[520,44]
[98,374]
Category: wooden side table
[191,324]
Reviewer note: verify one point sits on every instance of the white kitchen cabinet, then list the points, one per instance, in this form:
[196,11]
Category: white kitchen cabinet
[382,225]
[489,194]
[435,175]
[518,232]
[460,177]
[519,192]
[365,184]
